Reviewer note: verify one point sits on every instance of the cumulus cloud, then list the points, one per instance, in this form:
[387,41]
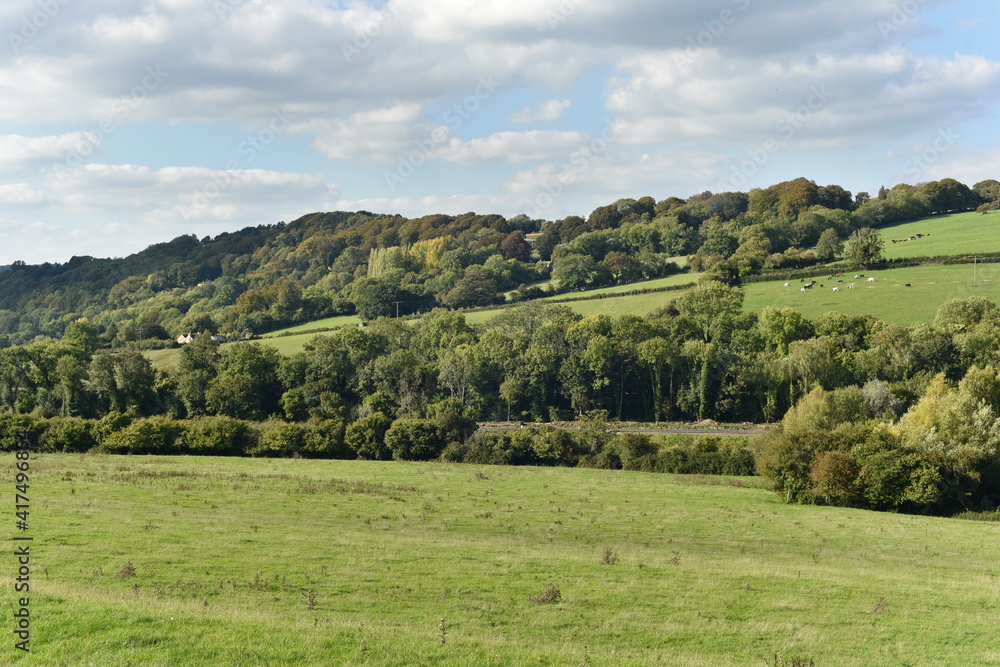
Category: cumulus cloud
[824,101]
[514,147]
[20,193]
[380,135]
[18,150]
[548,111]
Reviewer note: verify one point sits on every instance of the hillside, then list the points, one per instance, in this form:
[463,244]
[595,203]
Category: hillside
[326,265]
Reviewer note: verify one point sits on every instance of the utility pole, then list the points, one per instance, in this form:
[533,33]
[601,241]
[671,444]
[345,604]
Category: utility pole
[975,259]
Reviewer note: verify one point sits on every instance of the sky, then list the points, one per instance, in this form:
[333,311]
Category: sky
[125,123]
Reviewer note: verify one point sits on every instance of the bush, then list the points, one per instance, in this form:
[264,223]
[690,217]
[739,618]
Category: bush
[11,427]
[278,440]
[217,436]
[514,448]
[366,437]
[704,455]
[834,476]
[69,434]
[636,451]
[109,424]
[324,438]
[892,479]
[150,435]
[554,447]
[414,440]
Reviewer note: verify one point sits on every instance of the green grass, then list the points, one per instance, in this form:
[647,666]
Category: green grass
[286,345]
[708,573]
[656,283]
[887,298]
[953,234]
[328,323]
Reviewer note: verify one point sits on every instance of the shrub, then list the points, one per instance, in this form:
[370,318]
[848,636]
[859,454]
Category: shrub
[635,450]
[414,440]
[278,440]
[150,435]
[11,427]
[553,446]
[69,434]
[892,479]
[109,424]
[834,477]
[324,438]
[217,436]
[366,437]
[497,448]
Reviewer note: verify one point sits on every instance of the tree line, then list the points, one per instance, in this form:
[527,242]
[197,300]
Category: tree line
[259,279]
[874,414]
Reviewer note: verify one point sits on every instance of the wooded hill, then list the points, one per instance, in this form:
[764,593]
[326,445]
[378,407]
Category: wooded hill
[261,278]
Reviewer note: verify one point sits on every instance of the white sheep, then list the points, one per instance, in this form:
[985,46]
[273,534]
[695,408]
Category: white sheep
[788,284]
[802,289]
[851,286]
[871,280]
[836,289]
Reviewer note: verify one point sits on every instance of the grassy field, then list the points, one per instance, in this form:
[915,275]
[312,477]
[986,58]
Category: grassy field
[328,323]
[198,561]
[656,283]
[954,234]
[887,298]
[286,345]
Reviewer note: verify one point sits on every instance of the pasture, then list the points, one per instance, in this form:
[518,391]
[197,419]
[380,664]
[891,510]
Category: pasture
[656,283]
[951,234]
[207,561]
[888,298]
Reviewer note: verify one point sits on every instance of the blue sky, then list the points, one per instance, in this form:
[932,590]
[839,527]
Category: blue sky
[125,123]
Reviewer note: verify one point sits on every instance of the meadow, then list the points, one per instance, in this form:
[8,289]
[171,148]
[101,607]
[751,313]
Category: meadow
[951,234]
[888,298]
[206,561]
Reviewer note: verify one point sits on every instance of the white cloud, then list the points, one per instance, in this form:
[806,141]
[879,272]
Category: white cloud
[513,147]
[20,193]
[548,111]
[825,101]
[20,152]
[381,135]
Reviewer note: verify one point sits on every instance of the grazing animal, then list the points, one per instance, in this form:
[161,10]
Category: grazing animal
[836,289]
[908,285]
[840,282]
[822,285]
[802,289]
[787,284]
[871,280]
[851,286]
